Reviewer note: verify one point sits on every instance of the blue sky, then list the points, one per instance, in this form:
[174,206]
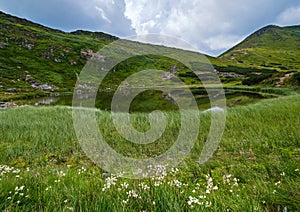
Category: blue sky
[212,26]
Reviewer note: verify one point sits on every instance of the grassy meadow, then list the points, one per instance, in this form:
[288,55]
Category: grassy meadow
[256,167]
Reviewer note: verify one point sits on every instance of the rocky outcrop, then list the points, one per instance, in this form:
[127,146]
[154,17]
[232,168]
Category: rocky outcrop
[8,104]
[37,85]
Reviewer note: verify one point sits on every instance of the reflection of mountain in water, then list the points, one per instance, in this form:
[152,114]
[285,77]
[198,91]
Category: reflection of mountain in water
[46,101]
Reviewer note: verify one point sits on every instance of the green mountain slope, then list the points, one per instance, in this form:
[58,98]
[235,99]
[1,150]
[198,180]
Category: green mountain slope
[270,47]
[270,56]
[34,54]
[36,59]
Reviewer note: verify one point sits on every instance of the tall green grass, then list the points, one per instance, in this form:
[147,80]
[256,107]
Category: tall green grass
[256,167]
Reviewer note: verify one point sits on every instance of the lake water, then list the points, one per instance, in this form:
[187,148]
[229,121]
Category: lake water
[151,100]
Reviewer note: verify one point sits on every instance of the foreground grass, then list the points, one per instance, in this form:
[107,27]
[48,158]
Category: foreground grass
[255,168]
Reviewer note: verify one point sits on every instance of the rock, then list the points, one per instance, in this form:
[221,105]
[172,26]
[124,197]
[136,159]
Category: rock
[29,78]
[7,104]
[73,63]
[106,175]
[3,45]
[43,86]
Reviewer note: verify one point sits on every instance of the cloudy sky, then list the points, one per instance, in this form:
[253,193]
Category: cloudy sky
[212,26]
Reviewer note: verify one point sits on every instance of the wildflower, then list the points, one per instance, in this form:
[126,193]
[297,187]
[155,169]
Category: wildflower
[70,208]
[133,194]
[65,201]
[210,185]
[110,181]
[144,186]
[296,170]
[235,180]
[157,183]
[193,200]
[153,203]
[124,185]
[208,204]
[61,174]
[176,183]
[282,174]
[274,192]
[81,170]
[48,188]
[277,183]
[174,170]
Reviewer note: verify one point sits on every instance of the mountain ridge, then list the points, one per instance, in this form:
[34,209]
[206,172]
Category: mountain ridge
[38,59]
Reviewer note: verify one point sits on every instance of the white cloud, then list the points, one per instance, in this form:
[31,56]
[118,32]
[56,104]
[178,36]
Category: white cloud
[212,26]
[290,16]
[102,14]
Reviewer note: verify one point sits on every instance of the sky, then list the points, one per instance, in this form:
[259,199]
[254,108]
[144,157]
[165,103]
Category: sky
[211,26]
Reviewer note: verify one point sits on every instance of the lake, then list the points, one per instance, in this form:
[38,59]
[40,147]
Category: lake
[152,100]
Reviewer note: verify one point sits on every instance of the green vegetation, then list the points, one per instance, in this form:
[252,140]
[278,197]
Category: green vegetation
[32,55]
[271,47]
[265,56]
[42,165]
[255,168]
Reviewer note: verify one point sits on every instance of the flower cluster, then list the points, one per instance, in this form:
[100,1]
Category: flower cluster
[131,194]
[210,185]
[18,194]
[110,181]
[81,170]
[176,183]
[198,201]
[5,170]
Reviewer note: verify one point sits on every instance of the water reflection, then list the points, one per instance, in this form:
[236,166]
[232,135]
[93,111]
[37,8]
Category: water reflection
[152,100]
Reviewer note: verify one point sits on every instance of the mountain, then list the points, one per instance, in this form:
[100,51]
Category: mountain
[270,47]
[35,59]
[269,56]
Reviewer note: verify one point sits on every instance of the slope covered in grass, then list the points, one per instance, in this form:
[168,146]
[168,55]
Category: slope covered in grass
[32,55]
[271,47]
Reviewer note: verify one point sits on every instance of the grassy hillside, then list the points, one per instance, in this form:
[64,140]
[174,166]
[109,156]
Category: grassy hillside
[266,51]
[31,53]
[36,60]
[271,47]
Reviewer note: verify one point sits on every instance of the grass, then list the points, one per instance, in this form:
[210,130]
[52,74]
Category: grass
[54,57]
[256,167]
